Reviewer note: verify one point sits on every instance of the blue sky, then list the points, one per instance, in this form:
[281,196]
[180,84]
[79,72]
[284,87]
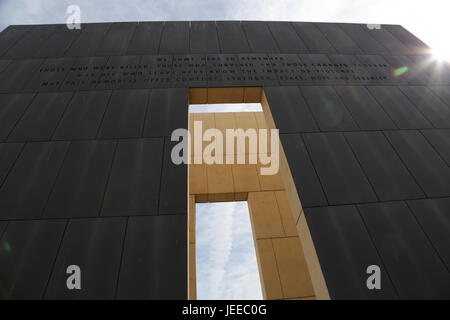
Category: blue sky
[427,19]
[226,260]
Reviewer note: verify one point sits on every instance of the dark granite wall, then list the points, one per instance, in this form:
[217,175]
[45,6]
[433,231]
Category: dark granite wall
[85,170]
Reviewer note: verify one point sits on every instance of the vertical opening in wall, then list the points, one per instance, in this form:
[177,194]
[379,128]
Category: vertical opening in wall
[226,260]
[274,206]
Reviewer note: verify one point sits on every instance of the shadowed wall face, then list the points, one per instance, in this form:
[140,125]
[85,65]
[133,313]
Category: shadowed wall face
[85,171]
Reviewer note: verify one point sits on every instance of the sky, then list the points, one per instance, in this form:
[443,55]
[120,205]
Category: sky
[426,19]
[228,267]
[226,258]
[225,107]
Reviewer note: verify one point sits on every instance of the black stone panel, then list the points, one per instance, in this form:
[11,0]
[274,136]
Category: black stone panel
[416,270]
[154,263]
[30,43]
[95,245]
[433,216]
[327,108]
[286,38]
[116,39]
[430,171]
[414,44]
[440,72]
[119,73]
[321,70]
[41,118]
[26,190]
[146,38]
[303,172]
[11,35]
[17,74]
[440,140]
[272,69]
[404,114]
[232,38]
[9,152]
[391,43]
[259,37]
[167,111]
[85,73]
[203,37]
[83,116]
[154,72]
[188,71]
[443,93]
[50,75]
[289,110]
[338,38]
[88,41]
[58,43]
[367,113]
[289,69]
[223,70]
[345,250]
[125,115]
[362,37]
[388,176]
[12,107]
[4,64]
[429,104]
[3,225]
[350,68]
[379,69]
[173,194]
[436,72]
[175,38]
[81,182]
[341,176]
[256,70]
[313,38]
[404,68]
[28,251]
[133,187]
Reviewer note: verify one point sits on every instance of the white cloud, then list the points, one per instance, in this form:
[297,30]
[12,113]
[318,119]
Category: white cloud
[226,258]
[225,107]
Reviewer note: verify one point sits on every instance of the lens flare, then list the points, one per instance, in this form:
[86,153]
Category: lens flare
[400,71]
[327,104]
[6,247]
[442,53]
[354,93]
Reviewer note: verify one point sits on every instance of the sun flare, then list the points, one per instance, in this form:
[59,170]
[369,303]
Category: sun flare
[442,54]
